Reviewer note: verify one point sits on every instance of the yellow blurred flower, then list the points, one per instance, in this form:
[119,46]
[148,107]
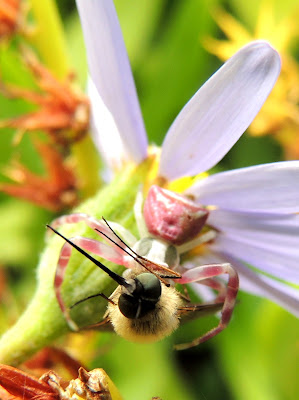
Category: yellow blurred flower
[280,114]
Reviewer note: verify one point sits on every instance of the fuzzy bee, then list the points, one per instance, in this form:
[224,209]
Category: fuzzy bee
[146,307]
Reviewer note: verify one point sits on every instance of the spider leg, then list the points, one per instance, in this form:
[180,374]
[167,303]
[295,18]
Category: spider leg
[201,239]
[217,285]
[113,254]
[94,223]
[205,274]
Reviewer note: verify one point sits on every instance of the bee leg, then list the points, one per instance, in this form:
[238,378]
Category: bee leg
[205,274]
[113,254]
[105,325]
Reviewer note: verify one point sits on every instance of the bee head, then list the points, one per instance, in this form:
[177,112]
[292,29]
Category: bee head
[140,297]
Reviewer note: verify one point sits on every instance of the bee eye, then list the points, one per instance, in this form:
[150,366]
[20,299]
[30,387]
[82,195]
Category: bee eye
[151,286]
[143,299]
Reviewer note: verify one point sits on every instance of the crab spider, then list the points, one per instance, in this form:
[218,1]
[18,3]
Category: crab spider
[146,307]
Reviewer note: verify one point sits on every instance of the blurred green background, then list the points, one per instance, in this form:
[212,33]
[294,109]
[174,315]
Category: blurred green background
[257,357]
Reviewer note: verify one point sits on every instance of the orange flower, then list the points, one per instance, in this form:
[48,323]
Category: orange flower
[12,15]
[18,385]
[63,111]
[55,191]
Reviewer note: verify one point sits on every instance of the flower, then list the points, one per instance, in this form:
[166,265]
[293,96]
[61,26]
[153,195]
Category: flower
[12,18]
[254,209]
[55,191]
[16,384]
[63,112]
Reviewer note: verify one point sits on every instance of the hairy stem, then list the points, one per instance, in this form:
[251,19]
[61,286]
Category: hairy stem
[43,321]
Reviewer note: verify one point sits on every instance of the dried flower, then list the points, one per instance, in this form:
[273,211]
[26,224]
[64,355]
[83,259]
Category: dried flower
[63,111]
[18,385]
[55,191]
[12,18]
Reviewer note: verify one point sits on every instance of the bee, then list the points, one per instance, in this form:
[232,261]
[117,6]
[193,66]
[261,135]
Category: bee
[146,306]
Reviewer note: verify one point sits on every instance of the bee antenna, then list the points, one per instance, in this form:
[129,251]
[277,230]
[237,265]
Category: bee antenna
[135,255]
[117,278]
[118,237]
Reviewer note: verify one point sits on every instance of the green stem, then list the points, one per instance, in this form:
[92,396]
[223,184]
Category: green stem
[39,325]
[43,321]
[49,37]
[88,165]
[49,40]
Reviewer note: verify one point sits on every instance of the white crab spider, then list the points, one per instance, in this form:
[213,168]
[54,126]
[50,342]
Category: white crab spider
[146,306]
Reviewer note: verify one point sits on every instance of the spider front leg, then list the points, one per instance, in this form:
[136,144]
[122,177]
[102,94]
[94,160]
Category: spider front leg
[113,254]
[98,225]
[205,274]
[217,285]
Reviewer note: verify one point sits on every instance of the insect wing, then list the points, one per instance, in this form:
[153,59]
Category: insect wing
[161,270]
[191,312]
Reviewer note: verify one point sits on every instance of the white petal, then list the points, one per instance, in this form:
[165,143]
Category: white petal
[111,73]
[266,241]
[222,109]
[105,134]
[271,187]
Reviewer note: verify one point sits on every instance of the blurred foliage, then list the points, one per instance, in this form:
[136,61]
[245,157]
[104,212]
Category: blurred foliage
[260,355]
[255,358]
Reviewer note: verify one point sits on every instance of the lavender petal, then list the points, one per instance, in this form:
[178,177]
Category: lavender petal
[111,73]
[217,115]
[250,281]
[271,187]
[260,285]
[267,241]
